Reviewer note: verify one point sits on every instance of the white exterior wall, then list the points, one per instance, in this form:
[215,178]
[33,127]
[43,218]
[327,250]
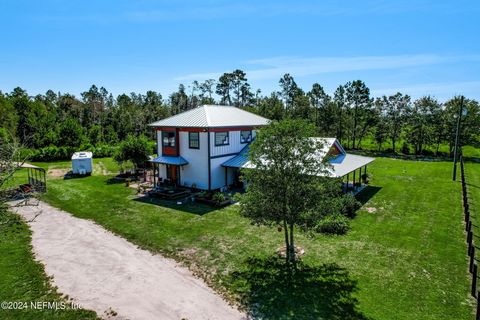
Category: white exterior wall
[196,171]
[234,147]
[159,143]
[217,171]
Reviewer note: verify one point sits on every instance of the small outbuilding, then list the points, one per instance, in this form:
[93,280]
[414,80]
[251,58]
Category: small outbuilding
[82,163]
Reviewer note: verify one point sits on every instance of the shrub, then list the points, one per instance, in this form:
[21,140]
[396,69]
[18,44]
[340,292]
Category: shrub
[218,197]
[349,205]
[333,224]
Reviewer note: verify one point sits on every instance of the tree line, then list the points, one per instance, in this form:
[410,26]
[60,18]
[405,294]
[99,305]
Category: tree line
[393,123]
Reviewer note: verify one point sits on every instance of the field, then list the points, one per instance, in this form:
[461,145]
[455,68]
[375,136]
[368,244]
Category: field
[403,259]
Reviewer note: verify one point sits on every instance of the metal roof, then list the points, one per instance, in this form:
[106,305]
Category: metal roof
[82,155]
[211,116]
[239,160]
[177,161]
[340,165]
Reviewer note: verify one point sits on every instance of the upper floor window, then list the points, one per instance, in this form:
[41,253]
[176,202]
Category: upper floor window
[221,138]
[168,138]
[194,140]
[246,136]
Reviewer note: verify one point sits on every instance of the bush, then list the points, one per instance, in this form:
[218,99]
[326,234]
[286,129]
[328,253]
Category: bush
[349,205]
[333,224]
[218,197]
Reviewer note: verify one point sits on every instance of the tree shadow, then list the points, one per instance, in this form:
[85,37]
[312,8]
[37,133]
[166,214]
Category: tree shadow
[270,290]
[185,206]
[367,193]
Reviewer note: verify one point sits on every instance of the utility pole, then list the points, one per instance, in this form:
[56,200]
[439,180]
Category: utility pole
[457,139]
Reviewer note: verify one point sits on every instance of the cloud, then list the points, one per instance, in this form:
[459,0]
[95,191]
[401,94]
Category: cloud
[440,90]
[276,67]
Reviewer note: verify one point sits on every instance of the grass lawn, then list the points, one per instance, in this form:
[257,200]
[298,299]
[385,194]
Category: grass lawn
[405,260]
[23,280]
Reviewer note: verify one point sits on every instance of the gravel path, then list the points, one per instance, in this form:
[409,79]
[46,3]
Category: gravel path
[103,272]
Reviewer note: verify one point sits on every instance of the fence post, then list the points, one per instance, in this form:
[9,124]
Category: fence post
[477,317]
[474,280]
[472,259]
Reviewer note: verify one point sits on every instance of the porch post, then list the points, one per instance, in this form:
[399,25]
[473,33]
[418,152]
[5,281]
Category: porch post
[354,171]
[360,177]
[226,177]
[347,181]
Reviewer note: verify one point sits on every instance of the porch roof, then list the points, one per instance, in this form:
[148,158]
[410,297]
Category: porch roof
[175,161]
[340,165]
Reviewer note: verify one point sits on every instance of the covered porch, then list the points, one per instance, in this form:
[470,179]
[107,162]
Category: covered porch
[167,170]
[352,171]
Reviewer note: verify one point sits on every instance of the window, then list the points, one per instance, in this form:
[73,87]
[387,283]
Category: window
[245,136]
[168,138]
[194,140]
[221,138]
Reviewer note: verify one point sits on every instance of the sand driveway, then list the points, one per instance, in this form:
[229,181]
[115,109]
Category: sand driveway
[104,272]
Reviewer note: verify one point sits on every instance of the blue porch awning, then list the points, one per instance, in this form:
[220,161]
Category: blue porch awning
[239,160]
[175,161]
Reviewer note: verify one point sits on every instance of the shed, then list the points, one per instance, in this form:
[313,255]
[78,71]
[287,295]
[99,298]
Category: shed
[82,163]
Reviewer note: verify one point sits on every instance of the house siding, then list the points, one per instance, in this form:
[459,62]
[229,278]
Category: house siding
[196,171]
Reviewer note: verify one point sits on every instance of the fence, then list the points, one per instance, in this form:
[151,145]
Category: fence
[473,268]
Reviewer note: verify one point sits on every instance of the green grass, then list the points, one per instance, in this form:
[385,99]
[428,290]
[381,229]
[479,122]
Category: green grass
[22,279]
[406,260]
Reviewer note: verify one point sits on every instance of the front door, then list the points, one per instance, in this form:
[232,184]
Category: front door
[172,173]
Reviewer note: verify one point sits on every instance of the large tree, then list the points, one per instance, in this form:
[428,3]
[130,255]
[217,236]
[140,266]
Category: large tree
[358,99]
[285,188]
[394,109]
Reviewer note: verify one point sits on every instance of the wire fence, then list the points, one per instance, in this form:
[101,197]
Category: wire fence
[472,267]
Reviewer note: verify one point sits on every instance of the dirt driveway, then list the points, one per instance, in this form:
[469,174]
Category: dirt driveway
[104,272]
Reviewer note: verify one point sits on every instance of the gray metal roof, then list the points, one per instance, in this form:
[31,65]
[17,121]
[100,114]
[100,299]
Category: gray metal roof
[340,165]
[211,116]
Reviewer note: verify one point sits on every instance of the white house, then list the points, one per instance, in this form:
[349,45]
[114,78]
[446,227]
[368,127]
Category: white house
[207,146]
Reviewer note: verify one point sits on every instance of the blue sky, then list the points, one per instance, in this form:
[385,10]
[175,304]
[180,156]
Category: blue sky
[416,47]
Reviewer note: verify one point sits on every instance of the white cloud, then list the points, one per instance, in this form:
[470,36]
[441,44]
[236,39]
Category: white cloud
[276,67]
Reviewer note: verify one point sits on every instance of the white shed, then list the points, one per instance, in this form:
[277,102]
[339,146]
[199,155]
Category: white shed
[82,163]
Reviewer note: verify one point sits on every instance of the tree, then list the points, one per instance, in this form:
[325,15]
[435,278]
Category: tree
[420,131]
[179,100]
[394,108]
[358,99]
[134,149]
[284,187]
[71,133]
[289,90]
[206,91]
[319,100]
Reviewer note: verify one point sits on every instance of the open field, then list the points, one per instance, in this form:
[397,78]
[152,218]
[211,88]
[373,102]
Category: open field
[403,259]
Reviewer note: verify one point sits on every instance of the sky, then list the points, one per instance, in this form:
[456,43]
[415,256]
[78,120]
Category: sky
[422,47]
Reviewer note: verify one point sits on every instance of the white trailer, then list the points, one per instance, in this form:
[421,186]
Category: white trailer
[82,163]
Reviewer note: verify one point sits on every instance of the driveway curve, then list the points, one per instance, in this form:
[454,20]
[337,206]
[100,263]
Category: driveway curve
[102,272]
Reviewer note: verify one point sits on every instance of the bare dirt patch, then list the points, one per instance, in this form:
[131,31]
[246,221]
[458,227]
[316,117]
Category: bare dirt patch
[57,173]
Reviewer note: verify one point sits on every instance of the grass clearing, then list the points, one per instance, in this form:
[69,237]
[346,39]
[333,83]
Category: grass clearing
[406,258]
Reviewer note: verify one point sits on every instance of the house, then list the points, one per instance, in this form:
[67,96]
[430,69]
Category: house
[206,147]
[193,145]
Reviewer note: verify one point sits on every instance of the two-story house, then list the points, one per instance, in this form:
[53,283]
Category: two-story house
[193,145]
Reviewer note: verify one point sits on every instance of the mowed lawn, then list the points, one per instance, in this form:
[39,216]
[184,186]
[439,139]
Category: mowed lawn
[404,257]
